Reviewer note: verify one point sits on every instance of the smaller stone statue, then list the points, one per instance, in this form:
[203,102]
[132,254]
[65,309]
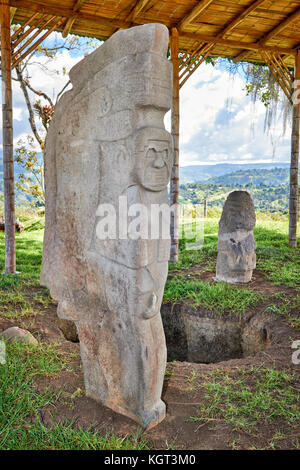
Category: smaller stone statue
[236,246]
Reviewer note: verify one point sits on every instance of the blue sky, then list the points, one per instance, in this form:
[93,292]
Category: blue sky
[218,121]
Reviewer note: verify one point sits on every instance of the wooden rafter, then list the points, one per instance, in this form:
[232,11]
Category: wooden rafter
[193,60]
[190,62]
[38,31]
[23,26]
[44,7]
[196,11]
[140,5]
[233,24]
[25,34]
[280,72]
[16,60]
[271,34]
[70,21]
[238,44]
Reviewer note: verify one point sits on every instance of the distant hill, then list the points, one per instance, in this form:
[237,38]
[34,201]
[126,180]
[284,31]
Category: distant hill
[215,181]
[21,198]
[201,173]
[258,176]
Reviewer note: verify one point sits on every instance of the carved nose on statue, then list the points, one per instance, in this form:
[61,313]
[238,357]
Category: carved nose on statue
[159,162]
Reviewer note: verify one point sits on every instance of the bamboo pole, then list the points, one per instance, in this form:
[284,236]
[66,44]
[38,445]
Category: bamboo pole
[174,183]
[295,156]
[8,163]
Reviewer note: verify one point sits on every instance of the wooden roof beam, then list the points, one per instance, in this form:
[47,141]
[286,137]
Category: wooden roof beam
[202,6]
[140,5]
[45,7]
[36,44]
[290,19]
[238,44]
[233,24]
[70,21]
[240,18]
[266,37]
[23,26]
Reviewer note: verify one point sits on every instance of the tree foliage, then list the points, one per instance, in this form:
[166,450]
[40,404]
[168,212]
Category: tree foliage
[31,181]
[40,108]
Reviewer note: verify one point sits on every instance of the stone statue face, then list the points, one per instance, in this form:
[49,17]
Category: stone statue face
[157,170]
[154,160]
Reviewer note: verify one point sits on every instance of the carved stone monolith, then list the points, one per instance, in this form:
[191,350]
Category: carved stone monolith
[236,246]
[107,153]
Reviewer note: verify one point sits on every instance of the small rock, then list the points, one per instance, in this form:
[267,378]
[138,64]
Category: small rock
[20,335]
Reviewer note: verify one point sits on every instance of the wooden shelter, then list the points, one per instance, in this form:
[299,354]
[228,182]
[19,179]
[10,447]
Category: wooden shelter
[265,31]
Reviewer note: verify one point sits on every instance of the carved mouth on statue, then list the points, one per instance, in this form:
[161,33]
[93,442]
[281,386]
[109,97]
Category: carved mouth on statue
[156,178]
[151,310]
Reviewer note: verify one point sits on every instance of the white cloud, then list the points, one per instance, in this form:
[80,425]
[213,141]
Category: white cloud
[217,120]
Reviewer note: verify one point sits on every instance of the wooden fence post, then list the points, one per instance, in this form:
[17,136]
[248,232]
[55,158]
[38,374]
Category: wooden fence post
[8,163]
[174,183]
[295,156]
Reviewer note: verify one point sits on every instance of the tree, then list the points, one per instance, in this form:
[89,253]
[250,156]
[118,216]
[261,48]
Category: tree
[40,108]
[31,182]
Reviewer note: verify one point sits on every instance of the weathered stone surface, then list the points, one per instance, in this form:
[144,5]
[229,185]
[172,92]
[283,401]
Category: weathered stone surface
[16,333]
[236,246]
[107,139]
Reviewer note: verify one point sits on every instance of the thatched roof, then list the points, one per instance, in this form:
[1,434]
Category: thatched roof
[239,29]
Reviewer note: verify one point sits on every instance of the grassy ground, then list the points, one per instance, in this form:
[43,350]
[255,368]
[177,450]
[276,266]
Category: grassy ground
[239,398]
[244,398]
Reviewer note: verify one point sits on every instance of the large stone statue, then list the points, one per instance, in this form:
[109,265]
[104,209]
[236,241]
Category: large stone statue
[236,246]
[107,150]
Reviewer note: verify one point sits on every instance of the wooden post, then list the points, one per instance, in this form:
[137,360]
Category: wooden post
[8,164]
[205,208]
[295,156]
[174,183]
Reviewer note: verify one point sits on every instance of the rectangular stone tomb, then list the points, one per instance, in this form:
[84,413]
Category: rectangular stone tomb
[106,148]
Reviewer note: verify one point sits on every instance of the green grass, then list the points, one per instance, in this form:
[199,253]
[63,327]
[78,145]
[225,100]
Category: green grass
[29,258]
[21,404]
[286,306]
[242,399]
[280,263]
[245,398]
[220,298]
